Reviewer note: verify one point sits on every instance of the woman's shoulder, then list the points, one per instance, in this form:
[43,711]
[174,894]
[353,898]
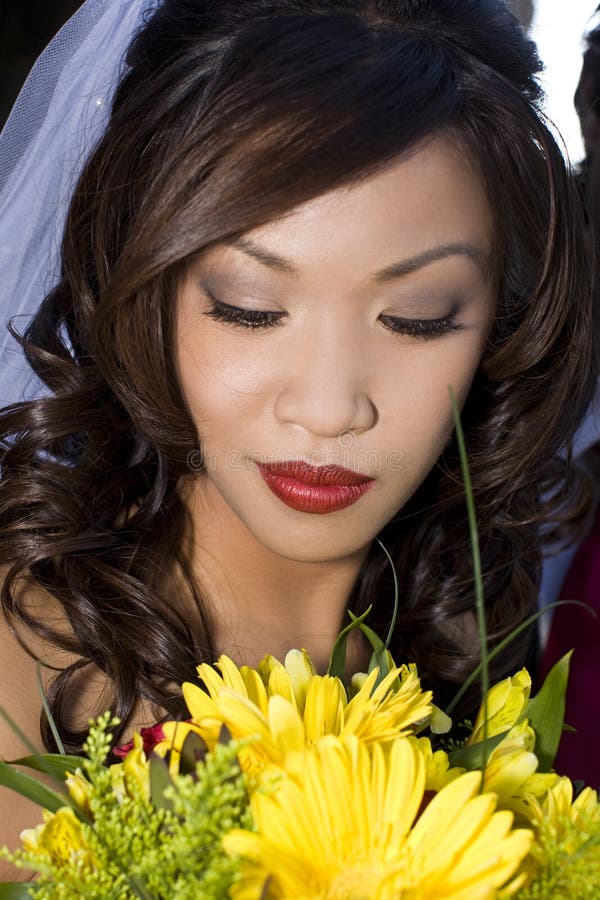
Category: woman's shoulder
[20,650]
[26,656]
[20,699]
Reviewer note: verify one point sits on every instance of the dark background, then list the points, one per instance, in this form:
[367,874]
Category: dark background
[26,26]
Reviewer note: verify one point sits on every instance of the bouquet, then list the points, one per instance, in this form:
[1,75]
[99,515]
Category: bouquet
[284,783]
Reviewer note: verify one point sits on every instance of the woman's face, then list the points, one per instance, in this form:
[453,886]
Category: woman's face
[376,297]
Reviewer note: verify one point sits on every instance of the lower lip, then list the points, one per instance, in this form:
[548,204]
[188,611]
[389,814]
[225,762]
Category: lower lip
[311,498]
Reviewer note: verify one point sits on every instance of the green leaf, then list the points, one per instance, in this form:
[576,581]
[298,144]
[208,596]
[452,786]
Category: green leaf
[546,712]
[225,736]
[16,890]
[193,751]
[139,888]
[372,637]
[381,657]
[55,764]
[578,787]
[476,755]
[159,780]
[29,787]
[337,660]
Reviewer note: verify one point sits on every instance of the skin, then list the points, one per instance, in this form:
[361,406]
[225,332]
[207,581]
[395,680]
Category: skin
[330,384]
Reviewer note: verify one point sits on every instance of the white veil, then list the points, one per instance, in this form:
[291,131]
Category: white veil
[57,119]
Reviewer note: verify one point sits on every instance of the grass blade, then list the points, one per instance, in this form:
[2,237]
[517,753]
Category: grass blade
[337,660]
[479,600]
[49,716]
[18,731]
[508,640]
[54,764]
[390,633]
[29,787]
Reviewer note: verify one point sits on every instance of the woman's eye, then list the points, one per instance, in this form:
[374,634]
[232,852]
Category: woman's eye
[244,318]
[261,318]
[421,328]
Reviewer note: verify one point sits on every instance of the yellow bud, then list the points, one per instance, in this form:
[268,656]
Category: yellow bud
[79,789]
[440,722]
[266,666]
[506,773]
[136,768]
[505,703]
[357,682]
[437,766]
[300,669]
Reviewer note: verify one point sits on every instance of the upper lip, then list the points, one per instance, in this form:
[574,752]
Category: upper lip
[315,475]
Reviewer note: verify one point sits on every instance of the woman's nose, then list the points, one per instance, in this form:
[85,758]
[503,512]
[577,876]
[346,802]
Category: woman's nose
[326,383]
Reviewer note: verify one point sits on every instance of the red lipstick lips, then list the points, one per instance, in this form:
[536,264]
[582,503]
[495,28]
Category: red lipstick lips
[314,489]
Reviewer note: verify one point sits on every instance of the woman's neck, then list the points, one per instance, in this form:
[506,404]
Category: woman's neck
[262,603]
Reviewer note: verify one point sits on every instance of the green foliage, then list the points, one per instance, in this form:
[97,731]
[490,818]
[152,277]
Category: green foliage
[546,713]
[134,849]
[17,891]
[54,764]
[477,576]
[337,660]
[474,756]
[570,868]
[31,788]
[381,656]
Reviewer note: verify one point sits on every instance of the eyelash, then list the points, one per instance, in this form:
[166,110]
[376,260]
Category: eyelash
[260,318]
[244,318]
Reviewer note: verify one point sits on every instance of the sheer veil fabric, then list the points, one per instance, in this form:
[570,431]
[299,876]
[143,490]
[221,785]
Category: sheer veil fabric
[57,119]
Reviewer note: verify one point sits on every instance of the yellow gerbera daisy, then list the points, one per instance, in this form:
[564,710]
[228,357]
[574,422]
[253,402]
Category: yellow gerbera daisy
[287,706]
[342,824]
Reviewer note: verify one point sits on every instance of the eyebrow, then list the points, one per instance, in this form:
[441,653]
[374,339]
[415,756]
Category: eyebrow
[389,273]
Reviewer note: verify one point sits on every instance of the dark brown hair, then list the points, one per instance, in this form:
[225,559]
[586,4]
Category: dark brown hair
[590,74]
[231,113]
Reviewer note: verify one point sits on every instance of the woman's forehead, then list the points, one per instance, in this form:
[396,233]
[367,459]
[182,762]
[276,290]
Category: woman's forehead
[429,205]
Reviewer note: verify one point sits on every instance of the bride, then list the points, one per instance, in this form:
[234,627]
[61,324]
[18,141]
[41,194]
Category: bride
[287,228]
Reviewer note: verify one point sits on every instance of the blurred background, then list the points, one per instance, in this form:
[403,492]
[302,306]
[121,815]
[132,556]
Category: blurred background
[26,26]
[557,26]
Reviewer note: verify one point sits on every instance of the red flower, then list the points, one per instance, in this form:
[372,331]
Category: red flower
[151,737]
